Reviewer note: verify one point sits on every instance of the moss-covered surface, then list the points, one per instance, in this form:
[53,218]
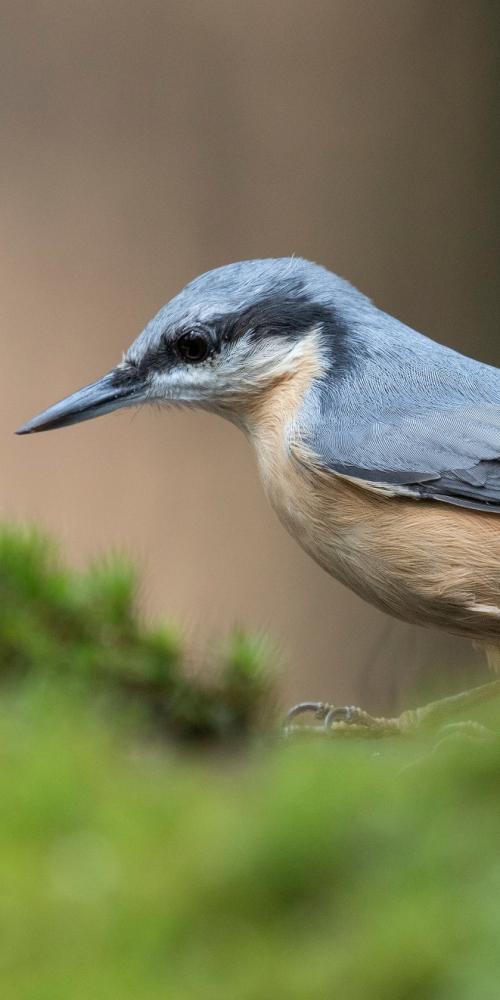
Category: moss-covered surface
[132,868]
[83,630]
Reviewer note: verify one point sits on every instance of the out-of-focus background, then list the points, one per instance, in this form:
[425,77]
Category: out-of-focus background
[143,143]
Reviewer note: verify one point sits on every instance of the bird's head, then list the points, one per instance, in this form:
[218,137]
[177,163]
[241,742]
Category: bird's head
[226,338]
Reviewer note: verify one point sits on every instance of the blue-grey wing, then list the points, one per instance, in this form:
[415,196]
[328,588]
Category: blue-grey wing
[428,431]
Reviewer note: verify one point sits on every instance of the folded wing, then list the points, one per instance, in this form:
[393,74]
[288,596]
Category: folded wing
[441,444]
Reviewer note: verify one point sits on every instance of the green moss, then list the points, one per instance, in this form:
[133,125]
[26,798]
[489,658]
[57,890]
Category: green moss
[84,628]
[307,871]
[132,870]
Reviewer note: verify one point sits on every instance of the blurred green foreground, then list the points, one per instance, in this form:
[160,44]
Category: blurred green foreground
[154,843]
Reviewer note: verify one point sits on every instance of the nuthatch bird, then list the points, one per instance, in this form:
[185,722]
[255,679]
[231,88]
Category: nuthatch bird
[378,448]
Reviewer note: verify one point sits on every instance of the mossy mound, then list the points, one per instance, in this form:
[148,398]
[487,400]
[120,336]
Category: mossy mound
[83,629]
[131,869]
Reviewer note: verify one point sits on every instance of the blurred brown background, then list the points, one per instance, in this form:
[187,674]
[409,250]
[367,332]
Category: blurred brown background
[145,142]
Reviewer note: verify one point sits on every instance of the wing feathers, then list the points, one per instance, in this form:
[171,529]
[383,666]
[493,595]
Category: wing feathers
[451,455]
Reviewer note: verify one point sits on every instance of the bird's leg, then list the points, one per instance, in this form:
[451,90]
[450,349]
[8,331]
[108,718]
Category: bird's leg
[353,721]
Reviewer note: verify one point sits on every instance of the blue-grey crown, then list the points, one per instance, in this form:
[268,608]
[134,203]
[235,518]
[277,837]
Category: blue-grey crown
[285,296]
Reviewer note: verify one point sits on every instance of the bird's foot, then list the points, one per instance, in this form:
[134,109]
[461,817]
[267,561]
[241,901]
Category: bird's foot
[335,720]
[350,720]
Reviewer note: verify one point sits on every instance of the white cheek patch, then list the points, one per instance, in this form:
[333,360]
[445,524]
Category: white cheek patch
[254,365]
[242,367]
[185,384]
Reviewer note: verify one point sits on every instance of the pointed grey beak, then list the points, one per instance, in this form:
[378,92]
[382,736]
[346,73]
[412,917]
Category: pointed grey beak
[112,392]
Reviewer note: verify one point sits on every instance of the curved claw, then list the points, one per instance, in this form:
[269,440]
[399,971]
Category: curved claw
[347,713]
[319,708]
[342,720]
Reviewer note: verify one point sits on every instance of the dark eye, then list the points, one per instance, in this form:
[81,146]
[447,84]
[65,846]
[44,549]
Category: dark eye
[193,347]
